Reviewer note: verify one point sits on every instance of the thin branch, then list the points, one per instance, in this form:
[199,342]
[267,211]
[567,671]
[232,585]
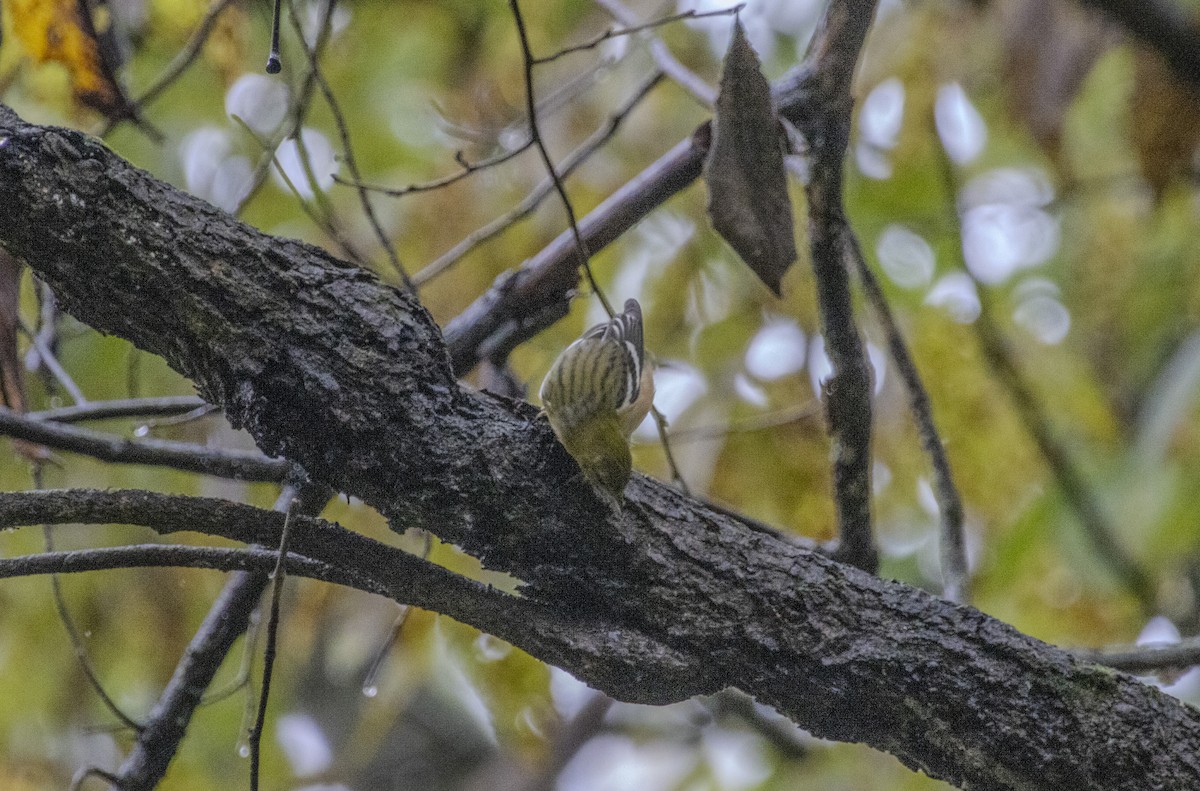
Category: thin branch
[531,201]
[277,579]
[73,635]
[94,771]
[47,358]
[687,79]
[165,406]
[764,422]
[238,464]
[1146,659]
[293,127]
[249,559]
[628,31]
[778,732]
[322,215]
[179,65]
[581,248]
[468,169]
[956,579]
[76,639]
[348,154]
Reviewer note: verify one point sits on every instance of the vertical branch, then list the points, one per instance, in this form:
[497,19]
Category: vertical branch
[956,581]
[277,577]
[825,125]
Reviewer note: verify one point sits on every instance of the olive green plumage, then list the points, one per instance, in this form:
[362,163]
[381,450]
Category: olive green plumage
[596,393]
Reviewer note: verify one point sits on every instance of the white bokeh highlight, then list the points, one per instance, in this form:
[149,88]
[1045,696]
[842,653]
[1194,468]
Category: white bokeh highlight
[260,101]
[956,294]
[777,350]
[960,126]
[906,258]
[321,157]
[304,744]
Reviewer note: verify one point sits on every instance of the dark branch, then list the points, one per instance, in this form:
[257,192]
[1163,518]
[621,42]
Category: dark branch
[167,406]
[824,121]
[239,464]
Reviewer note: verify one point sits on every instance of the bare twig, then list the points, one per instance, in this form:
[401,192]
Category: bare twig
[581,248]
[468,169]
[297,112]
[637,28]
[783,417]
[179,65]
[238,464]
[956,579]
[47,358]
[73,635]
[531,201]
[348,154]
[277,578]
[1146,658]
[687,79]
[780,733]
[165,406]
[94,771]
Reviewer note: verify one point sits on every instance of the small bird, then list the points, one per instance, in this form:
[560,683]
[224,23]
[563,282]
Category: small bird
[596,393]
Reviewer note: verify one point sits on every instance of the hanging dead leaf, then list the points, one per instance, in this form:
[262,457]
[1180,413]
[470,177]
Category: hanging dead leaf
[1165,121]
[748,200]
[64,32]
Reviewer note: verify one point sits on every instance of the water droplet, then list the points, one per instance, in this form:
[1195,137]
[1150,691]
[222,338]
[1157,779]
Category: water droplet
[141,431]
[243,750]
[87,633]
[370,691]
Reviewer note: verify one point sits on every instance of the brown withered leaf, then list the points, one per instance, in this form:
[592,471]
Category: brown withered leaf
[1165,121]
[748,199]
[62,31]
[1050,47]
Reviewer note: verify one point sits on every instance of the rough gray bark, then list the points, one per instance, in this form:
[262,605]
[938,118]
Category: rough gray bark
[349,377]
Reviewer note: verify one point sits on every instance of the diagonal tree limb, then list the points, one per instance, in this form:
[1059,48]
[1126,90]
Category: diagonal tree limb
[329,367]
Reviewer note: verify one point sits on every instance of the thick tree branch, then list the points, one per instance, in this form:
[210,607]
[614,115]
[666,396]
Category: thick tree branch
[331,368]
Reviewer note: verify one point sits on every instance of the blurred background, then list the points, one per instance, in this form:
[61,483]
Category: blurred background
[1022,178]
